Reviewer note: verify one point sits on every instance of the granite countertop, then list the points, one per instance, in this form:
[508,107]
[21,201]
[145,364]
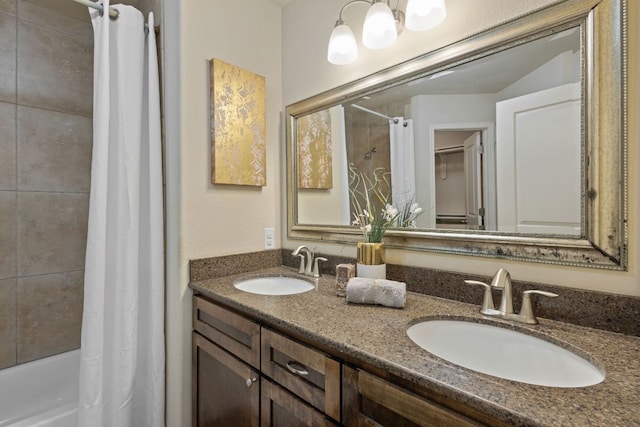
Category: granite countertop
[376,336]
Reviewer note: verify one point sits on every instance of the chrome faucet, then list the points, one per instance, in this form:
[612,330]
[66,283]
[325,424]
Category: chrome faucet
[306,267]
[502,281]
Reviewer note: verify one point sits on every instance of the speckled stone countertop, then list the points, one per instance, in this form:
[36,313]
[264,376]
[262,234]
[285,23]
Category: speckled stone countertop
[376,336]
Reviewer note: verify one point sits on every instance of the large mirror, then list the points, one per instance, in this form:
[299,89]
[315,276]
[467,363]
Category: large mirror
[511,142]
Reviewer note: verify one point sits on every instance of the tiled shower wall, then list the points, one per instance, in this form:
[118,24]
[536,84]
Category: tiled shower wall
[46,62]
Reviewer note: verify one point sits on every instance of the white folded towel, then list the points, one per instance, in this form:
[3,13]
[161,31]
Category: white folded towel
[389,293]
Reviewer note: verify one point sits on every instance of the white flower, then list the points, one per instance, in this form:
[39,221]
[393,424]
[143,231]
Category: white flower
[390,212]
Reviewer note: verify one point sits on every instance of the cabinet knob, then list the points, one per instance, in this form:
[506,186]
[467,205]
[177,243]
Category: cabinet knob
[297,368]
[250,381]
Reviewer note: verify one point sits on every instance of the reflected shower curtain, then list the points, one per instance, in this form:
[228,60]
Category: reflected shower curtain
[403,176]
[122,352]
[341,163]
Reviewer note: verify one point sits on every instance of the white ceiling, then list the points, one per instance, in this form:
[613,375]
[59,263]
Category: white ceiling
[487,75]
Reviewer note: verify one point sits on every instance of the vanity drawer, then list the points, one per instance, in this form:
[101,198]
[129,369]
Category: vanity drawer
[237,334]
[308,373]
[373,401]
[281,408]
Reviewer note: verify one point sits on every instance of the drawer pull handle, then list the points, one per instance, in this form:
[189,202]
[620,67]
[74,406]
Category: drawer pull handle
[250,381]
[297,368]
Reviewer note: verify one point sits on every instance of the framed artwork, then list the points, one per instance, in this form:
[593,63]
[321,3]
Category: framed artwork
[314,150]
[238,126]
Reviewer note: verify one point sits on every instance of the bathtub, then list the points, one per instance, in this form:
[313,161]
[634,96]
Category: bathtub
[42,393]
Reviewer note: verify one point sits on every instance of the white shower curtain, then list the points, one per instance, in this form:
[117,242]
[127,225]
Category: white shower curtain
[122,351]
[341,164]
[403,176]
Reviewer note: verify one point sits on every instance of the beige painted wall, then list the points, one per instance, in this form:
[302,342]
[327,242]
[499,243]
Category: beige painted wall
[206,220]
[306,72]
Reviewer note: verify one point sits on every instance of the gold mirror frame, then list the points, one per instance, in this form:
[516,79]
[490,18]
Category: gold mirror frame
[603,243]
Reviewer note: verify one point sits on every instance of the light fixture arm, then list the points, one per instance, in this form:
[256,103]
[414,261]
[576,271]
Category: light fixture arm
[397,13]
[340,21]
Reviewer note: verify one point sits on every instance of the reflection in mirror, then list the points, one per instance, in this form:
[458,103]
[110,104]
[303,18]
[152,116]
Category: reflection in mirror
[492,144]
[513,142]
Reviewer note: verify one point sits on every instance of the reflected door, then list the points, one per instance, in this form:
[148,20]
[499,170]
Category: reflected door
[538,162]
[473,177]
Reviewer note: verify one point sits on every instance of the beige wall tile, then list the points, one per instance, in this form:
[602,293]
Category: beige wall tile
[52,232]
[55,71]
[52,57]
[49,314]
[7,146]
[54,151]
[155,6]
[7,236]
[8,7]
[49,18]
[8,55]
[7,323]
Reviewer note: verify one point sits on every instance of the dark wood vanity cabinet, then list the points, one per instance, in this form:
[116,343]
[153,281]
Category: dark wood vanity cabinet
[245,374]
[372,401]
[225,367]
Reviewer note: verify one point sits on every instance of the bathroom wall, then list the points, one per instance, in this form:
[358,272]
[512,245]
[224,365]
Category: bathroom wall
[203,219]
[307,25]
[45,156]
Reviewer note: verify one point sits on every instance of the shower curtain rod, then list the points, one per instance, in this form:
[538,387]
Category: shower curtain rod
[375,113]
[113,13]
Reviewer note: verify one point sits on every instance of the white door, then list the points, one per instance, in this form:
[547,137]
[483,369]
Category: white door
[538,162]
[473,178]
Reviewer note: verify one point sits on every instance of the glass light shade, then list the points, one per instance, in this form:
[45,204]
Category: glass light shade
[379,29]
[343,48]
[422,15]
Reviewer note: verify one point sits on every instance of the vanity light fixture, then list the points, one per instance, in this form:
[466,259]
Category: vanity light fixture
[382,26]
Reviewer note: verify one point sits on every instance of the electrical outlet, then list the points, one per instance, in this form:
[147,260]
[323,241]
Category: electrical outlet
[269,238]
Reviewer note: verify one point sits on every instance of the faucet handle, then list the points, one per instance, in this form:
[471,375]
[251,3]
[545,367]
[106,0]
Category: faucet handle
[536,291]
[301,268]
[526,312]
[316,270]
[487,303]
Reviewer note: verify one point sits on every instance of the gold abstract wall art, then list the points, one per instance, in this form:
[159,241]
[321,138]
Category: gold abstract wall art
[238,126]
[314,150]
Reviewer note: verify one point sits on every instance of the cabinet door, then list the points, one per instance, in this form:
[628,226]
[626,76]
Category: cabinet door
[281,408]
[372,401]
[226,391]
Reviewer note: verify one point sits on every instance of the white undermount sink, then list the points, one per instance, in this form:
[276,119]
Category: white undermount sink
[504,353]
[274,285]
